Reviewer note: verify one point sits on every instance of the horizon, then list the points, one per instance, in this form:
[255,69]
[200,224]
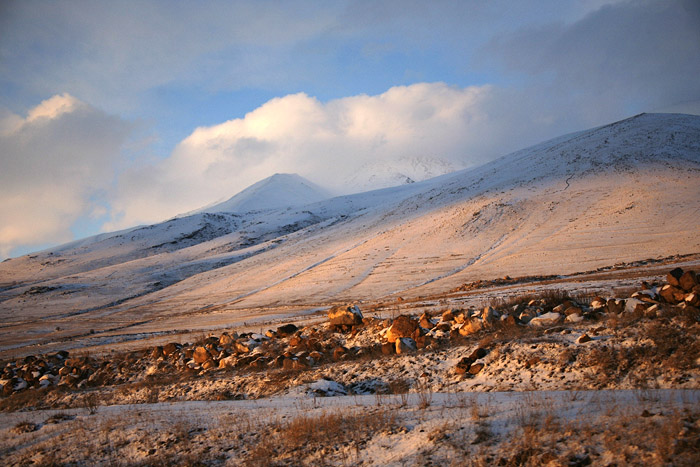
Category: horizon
[118,115]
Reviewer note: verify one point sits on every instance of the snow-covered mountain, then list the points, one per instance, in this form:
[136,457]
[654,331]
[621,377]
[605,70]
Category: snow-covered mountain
[622,192]
[276,191]
[401,171]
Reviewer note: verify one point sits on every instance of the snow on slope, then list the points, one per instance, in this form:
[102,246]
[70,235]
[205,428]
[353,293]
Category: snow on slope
[622,192]
[404,170]
[276,191]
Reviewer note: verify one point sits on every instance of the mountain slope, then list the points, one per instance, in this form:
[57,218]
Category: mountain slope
[276,191]
[622,192]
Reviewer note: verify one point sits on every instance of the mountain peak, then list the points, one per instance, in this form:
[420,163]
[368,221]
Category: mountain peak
[276,191]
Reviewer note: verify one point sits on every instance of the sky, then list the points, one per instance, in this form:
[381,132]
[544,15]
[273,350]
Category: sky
[115,114]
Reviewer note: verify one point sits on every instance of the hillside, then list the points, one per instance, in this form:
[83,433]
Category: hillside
[619,193]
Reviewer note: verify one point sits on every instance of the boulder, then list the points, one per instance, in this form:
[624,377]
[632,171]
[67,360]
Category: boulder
[405,345]
[388,348]
[547,319]
[692,299]
[673,277]
[583,339]
[575,318]
[424,321]
[287,330]
[402,326]
[339,352]
[448,316]
[489,315]
[615,306]
[476,368]
[687,281]
[470,327]
[345,315]
[296,341]
[226,340]
[527,315]
[171,348]
[201,355]
[572,310]
[463,365]
[598,303]
[209,364]
[672,294]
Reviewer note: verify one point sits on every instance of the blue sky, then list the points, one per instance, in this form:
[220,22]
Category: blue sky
[119,113]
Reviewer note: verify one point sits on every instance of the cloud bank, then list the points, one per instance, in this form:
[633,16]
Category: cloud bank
[55,163]
[327,143]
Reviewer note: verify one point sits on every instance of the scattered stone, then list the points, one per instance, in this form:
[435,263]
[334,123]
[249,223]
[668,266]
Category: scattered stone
[388,348]
[476,368]
[583,339]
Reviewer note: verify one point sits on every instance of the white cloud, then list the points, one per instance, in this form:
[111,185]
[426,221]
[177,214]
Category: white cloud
[328,143]
[52,162]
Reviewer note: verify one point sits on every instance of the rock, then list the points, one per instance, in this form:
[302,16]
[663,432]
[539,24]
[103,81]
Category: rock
[508,320]
[673,277]
[388,348]
[201,355]
[226,340]
[478,353]
[615,306]
[692,299]
[448,316]
[228,362]
[241,347]
[463,365]
[598,303]
[575,318]
[339,352]
[171,348]
[470,327]
[209,364]
[672,294]
[489,315]
[286,330]
[547,319]
[405,345]
[633,304]
[296,341]
[687,281]
[572,310]
[476,368]
[402,326]
[583,339]
[527,315]
[424,321]
[345,315]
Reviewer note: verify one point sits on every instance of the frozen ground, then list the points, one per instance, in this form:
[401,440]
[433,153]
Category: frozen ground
[640,427]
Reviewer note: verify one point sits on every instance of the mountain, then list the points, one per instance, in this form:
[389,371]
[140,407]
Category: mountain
[622,192]
[277,191]
[400,171]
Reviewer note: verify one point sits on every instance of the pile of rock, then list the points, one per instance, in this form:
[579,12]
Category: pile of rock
[46,370]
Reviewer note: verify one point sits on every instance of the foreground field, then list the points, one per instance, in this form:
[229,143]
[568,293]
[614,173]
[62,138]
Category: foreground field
[626,427]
